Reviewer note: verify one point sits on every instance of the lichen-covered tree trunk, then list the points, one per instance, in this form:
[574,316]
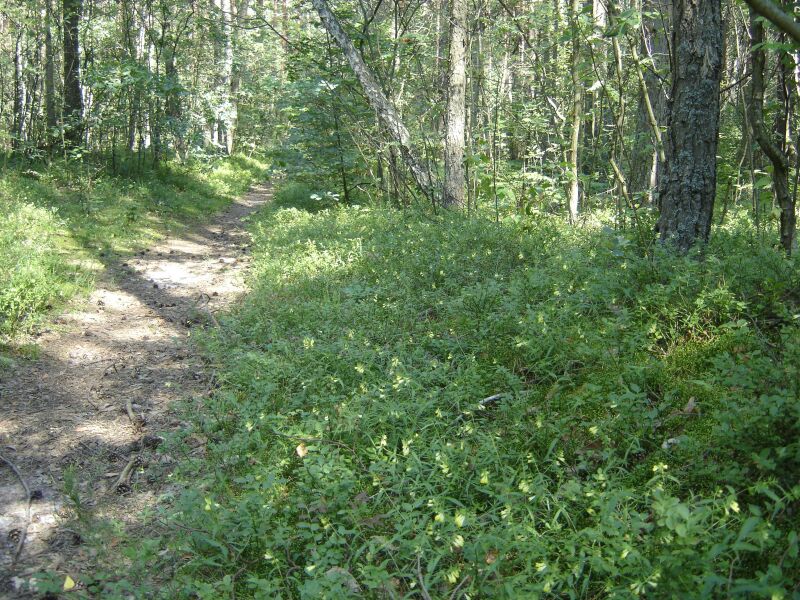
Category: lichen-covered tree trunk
[73,98]
[454,178]
[688,180]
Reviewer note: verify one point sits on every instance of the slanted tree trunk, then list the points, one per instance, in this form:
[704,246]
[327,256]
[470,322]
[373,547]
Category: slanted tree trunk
[779,17]
[775,148]
[454,178]
[647,152]
[688,180]
[73,99]
[387,112]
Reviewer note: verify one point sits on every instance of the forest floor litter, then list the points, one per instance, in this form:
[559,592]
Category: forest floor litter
[80,422]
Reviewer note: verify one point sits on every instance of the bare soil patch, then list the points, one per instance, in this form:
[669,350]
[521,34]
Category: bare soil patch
[91,406]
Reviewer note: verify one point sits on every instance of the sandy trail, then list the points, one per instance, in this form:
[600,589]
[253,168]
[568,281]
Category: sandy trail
[67,411]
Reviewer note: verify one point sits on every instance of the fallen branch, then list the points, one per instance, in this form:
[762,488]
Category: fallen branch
[24,533]
[203,300]
[97,362]
[125,475]
[483,404]
[136,420]
[494,398]
[166,525]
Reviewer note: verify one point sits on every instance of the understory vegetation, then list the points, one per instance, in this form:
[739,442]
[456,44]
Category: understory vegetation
[60,223]
[523,318]
[447,406]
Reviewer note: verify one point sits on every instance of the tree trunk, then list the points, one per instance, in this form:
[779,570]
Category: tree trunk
[774,150]
[577,114]
[49,72]
[454,181]
[378,100]
[73,99]
[689,177]
[228,109]
[20,92]
[779,17]
[242,8]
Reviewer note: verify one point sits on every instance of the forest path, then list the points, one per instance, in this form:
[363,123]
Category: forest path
[68,411]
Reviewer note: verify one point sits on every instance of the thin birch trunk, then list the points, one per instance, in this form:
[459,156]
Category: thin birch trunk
[378,100]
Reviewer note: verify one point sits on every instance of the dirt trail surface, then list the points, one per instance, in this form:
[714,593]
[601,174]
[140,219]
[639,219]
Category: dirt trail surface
[95,400]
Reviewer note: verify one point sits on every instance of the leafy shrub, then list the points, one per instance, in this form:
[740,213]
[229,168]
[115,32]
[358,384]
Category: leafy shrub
[34,275]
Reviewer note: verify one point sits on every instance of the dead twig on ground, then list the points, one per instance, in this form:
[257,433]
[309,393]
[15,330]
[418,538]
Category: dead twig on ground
[125,475]
[494,398]
[483,404]
[24,533]
[136,420]
[99,361]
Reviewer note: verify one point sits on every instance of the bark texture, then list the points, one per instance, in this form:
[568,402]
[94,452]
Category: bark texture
[20,93]
[689,176]
[228,114]
[454,177]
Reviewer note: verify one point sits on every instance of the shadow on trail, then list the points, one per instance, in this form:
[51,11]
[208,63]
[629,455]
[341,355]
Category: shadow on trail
[100,392]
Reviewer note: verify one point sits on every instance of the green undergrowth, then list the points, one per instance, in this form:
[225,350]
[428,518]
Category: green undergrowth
[61,223]
[417,407]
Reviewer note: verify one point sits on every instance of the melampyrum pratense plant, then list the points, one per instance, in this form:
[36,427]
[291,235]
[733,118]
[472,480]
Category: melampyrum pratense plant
[416,407]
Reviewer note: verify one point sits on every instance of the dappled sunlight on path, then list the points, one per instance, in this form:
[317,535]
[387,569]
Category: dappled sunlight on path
[100,391]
